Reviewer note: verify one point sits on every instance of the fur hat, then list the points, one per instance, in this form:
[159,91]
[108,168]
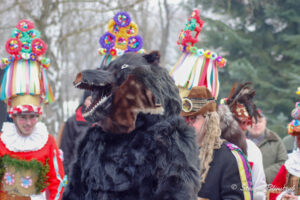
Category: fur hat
[199,102]
[240,102]
[231,130]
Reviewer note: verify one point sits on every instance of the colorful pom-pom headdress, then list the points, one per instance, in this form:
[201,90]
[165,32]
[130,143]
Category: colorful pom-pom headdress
[294,126]
[121,37]
[196,67]
[25,85]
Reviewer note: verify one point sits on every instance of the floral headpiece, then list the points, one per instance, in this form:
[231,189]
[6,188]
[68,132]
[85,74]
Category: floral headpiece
[294,126]
[121,37]
[196,67]
[25,68]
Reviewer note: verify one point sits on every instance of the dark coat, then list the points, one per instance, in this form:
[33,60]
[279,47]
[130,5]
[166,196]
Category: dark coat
[274,154]
[223,179]
[75,127]
[157,161]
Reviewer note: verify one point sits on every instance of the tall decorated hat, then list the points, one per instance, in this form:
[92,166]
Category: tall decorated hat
[294,126]
[25,86]
[196,66]
[121,37]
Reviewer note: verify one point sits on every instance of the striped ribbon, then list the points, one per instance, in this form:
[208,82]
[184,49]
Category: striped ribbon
[63,182]
[244,170]
[193,70]
[4,85]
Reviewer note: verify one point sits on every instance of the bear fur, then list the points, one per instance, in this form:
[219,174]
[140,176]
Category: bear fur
[139,147]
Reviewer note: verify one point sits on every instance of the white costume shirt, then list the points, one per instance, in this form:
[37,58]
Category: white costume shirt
[258,174]
[18,143]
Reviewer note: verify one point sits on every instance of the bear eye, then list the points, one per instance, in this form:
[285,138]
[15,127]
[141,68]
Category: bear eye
[124,66]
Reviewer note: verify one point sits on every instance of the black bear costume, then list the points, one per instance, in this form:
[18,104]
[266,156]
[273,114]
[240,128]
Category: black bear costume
[140,148]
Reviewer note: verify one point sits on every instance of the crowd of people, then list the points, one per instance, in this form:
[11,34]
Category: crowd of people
[137,139]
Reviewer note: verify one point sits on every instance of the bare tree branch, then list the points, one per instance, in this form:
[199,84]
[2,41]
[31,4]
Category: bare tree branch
[165,26]
[85,1]
[9,28]
[106,10]
[26,11]
[81,30]
[8,8]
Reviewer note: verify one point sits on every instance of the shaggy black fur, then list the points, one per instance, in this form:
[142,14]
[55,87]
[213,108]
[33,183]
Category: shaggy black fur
[108,79]
[231,130]
[158,160]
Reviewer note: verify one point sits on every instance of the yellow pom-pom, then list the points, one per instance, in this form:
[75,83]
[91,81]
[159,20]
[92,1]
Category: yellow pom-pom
[298,91]
[132,29]
[141,51]
[101,51]
[207,54]
[121,42]
[188,48]
[4,61]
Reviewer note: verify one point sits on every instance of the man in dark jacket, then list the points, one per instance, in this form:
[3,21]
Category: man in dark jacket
[271,146]
[73,129]
[219,171]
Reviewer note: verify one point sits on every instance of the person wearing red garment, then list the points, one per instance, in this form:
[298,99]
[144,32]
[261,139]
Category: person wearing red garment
[74,129]
[27,142]
[285,185]
[30,163]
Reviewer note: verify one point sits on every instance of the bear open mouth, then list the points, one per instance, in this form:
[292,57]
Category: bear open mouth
[101,92]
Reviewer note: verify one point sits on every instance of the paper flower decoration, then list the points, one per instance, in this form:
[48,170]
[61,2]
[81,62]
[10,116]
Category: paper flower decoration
[122,19]
[38,46]
[188,35]
[13,46]
[196,66]
[27,63]
[25,25]
[135,43]
[122,34]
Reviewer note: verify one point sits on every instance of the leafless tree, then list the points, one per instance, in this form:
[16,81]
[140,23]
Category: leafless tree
[72,29]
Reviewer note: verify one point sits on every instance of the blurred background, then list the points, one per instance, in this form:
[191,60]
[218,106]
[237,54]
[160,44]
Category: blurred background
[259,38]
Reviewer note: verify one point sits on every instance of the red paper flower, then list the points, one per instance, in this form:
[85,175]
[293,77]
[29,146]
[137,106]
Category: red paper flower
[38,46]
[13,46]
[25,25]
[113,52]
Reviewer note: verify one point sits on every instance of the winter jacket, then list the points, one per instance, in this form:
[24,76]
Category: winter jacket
[289,143]
[223,179]
[274,154]
[74,128]
[232,132]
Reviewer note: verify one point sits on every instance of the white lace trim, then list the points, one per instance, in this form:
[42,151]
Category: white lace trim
[292,164]
[41,196]
[18,143]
